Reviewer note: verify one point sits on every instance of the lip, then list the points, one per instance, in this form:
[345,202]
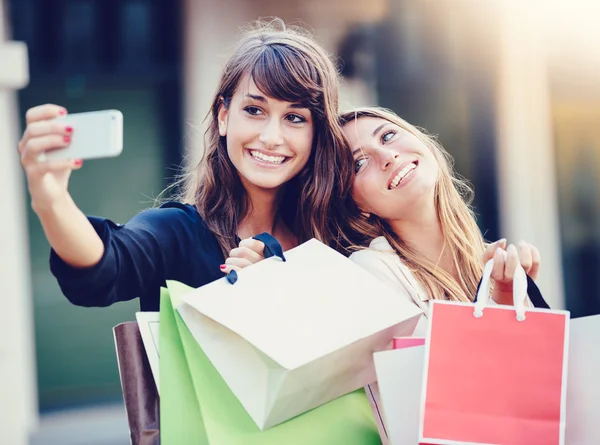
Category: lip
[266,153]
[398,169]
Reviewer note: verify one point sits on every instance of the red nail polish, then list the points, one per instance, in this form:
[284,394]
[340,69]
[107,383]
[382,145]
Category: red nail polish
[69,129]
[62,112]
[78,162]
[67,139]
[222,266]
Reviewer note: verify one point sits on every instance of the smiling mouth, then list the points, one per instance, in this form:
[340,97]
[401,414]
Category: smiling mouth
[268,159]
[403,174]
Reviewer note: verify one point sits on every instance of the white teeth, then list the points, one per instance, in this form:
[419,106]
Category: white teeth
[265,158]
[401,174]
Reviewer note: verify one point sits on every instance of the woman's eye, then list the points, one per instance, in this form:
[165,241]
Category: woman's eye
[295,118]
[358,164]
[387,136]
[253,111]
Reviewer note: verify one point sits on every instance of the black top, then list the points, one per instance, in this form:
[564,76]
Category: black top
[167,243]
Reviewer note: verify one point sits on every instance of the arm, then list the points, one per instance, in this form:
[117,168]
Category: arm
[65,226]
[137,257]
[70,233]
[96,261]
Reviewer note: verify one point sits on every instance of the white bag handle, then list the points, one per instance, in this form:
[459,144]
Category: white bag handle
[519,291]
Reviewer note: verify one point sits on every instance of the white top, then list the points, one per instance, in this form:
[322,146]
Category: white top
[382,261]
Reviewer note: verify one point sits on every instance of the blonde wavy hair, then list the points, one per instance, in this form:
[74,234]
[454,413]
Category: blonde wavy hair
[453,198]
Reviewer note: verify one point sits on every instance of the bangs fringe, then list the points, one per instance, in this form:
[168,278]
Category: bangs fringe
[283,74]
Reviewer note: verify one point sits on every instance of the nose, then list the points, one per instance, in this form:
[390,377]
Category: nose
[389,157]
[271,135]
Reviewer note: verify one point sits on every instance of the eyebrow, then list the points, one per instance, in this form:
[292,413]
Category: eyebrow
[257,98]
[379,128]
[264,100]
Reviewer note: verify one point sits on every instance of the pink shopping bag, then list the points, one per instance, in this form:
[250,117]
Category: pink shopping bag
[407,342]
[495,374]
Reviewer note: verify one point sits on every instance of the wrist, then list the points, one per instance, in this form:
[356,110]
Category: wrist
[502,295]
[45,208]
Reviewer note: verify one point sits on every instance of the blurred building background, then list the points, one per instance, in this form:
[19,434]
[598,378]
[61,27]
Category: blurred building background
[510,87]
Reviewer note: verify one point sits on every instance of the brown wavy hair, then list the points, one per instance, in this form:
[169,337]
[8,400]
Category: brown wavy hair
[286,64]
[453,198]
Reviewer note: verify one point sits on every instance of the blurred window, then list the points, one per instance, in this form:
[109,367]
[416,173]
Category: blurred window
[93,55]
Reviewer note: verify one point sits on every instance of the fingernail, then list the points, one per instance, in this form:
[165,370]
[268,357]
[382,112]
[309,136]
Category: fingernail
[498,251]
[78,162]
[69,129]
[222,266]
[62,112]
[67,139]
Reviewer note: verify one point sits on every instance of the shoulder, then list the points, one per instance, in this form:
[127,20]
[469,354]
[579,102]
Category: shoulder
[382,261]
[379,258]
[379,251]
[170,219]
[173,214]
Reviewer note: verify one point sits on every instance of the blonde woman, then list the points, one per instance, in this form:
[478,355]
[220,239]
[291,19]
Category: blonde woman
[413,211]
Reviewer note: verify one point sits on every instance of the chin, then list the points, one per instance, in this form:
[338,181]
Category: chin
[265,183]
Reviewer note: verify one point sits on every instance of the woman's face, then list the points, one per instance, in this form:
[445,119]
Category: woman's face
[269,141]
[395,172]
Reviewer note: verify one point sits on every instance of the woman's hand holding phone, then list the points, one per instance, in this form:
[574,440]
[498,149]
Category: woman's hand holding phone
[47,180]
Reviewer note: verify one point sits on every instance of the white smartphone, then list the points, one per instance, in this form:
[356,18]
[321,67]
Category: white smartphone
[96,134]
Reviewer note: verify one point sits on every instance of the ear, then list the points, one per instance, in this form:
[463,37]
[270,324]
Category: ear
[222,118]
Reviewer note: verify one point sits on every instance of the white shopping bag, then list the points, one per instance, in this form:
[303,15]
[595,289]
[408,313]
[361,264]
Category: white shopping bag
[148,323]
[399,380]
[290,336]
[583,387]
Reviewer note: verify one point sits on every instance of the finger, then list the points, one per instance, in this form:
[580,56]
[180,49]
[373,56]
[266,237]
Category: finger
[525,256]
[245,253]
[491,249]
[239,262]
[512,261]
[53,166]
[498,268]
[535,263]
[36,146]
[44,112]
[226,268]
[253,244]
[44,128]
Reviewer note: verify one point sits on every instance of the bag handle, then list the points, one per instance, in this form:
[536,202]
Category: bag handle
[272,248]
[535,295]
[531,289]
[519,291]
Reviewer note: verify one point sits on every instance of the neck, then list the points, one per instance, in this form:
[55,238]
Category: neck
[423,233]
[262,215]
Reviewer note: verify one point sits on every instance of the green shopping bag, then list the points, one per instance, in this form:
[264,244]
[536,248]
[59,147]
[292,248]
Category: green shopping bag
[180,418]
[347,420]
